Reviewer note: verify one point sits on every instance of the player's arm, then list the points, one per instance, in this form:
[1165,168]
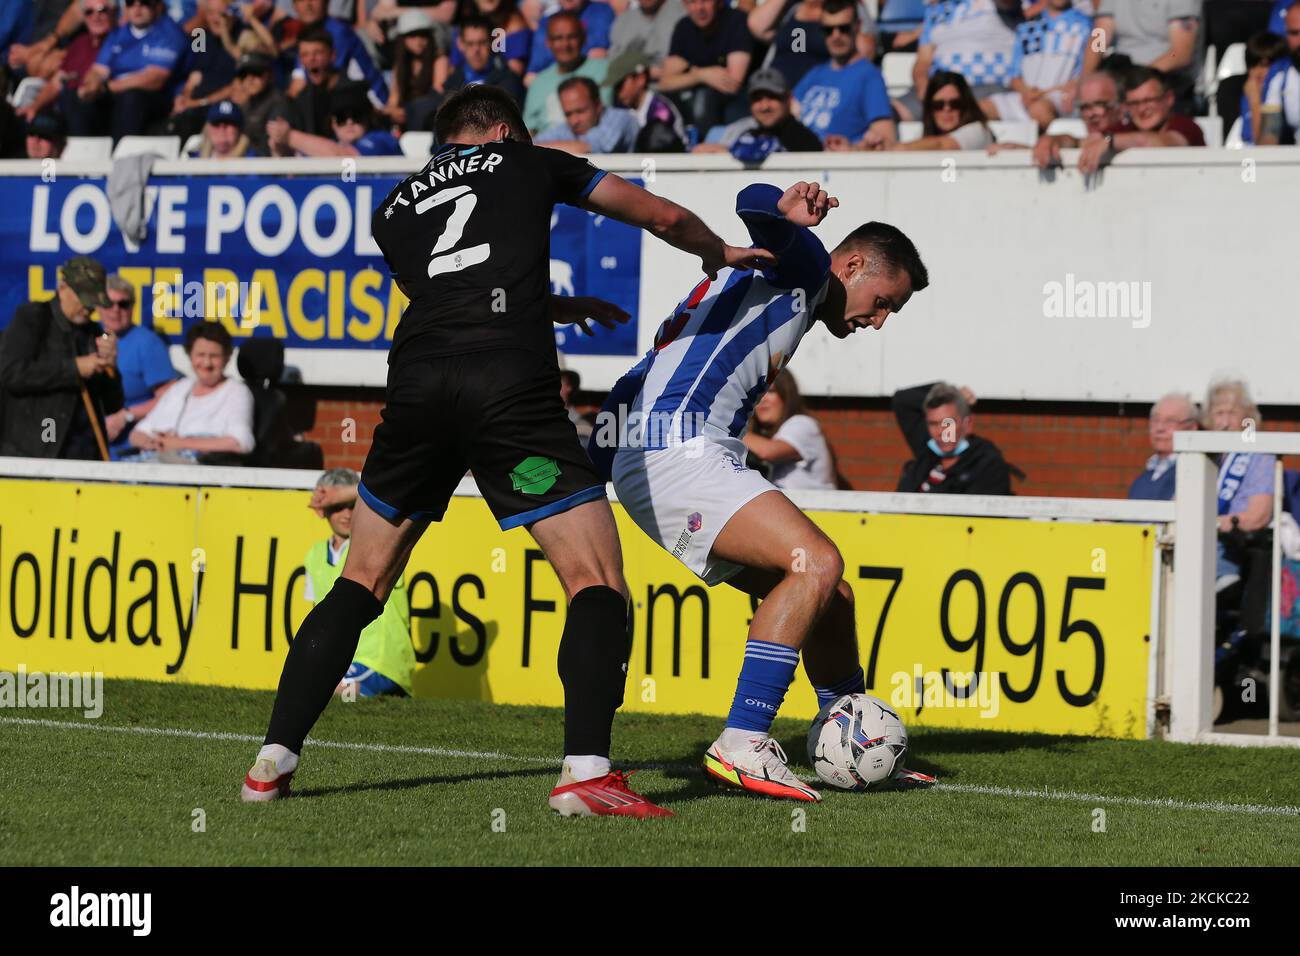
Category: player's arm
[780,221]
[580,309]
[618,199]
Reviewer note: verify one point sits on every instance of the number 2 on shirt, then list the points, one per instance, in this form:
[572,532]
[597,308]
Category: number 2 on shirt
[444,260]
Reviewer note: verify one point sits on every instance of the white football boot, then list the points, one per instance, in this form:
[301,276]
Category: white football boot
[756,763]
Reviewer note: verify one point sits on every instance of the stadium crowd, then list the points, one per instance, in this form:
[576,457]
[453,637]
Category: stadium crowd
[238,78]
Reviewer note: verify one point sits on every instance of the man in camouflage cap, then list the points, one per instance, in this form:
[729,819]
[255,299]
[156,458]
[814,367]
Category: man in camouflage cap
[50,352]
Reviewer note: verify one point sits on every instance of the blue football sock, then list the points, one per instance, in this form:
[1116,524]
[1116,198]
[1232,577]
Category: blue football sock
[855,683]
[765,676]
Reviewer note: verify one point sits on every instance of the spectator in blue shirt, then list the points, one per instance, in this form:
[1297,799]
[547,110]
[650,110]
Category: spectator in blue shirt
[1277,19]
[351,114]
[1245,485]
[597,19]
[1175,412]
[137,71]
[143,364]
[15,26]
[351,59]
[209,70]
[589,126]
[1263,50]
[844,101]
[516,36]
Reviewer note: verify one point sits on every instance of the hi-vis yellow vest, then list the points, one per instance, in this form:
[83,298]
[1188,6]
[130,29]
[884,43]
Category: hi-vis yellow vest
[386,642]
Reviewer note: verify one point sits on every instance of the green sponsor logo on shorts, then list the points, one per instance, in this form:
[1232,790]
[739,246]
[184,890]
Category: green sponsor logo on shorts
[535,475]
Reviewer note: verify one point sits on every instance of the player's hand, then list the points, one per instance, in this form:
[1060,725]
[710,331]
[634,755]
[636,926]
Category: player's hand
[806,204]
[582,309]
[734,257]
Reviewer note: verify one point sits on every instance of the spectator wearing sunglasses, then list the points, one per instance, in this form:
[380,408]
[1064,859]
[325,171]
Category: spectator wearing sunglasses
[65,68]
[844,100]
[384,661]
[952,118]
[137,71]
[142,362]
[1151,123]
[351,115]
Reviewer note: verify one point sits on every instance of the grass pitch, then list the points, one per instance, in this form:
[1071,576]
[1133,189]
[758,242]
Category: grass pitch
[437,783]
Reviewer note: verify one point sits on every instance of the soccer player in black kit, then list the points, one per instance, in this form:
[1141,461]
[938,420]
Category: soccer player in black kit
[473,383]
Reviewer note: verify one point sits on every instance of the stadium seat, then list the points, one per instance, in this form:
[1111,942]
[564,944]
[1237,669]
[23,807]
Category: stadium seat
[168,147]
[88,149]
[1212,127]
[1068,126]
[192,146]
[1026,134]
[1233,62]
[910,130]
[897,68]
[416,144]
[1234,140]
[26,92]
[899,16]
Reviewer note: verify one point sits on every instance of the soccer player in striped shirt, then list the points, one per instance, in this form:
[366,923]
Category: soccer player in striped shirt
[670,438]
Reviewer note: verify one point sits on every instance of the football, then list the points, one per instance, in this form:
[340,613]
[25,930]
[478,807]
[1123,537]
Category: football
[856,742]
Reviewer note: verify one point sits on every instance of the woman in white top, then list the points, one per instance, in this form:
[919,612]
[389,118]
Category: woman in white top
[209,412]
[952,118]
[788,440]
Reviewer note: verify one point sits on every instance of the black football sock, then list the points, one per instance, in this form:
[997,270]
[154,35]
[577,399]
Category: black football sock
[318,659]
[594,650]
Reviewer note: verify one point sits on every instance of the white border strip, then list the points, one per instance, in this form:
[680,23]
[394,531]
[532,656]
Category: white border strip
[867,502]
[1014,792]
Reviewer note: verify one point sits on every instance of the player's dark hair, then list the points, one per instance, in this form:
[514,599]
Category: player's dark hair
[317,34]
[834,7]
[1264,47]
[213,332]
[1138,75]
[476,109]
[586,82]
[883,244]
[476,22]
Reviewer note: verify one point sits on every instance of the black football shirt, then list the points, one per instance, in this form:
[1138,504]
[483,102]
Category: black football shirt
[469,238]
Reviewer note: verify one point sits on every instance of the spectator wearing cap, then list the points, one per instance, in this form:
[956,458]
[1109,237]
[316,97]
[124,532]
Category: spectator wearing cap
[646,26]
[479,64]
[311,103]
[565,36]
[209,68]
[798,38]
[660,124]
[1101,111]
[137,71]
[597,21]
[589,125]
[46,137]
[974,38]
[257,96]
[770,127]
[938,424]
[1161,34]
[707,61]
[223,134]
[412,97]
[351,119]
[143,362]
[1151,123]
[351,59]
[68,66]
[1175,412]
[844,100]
[57,373]
[1280,108]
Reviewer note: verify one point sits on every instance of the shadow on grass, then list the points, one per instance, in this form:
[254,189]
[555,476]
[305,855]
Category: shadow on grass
[413,783]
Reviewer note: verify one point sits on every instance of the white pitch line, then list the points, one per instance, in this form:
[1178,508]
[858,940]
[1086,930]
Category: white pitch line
[1019,793]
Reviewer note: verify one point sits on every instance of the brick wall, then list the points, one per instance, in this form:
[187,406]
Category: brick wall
[1066,449]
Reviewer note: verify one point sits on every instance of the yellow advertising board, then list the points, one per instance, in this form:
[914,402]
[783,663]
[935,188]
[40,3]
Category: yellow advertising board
[998,624]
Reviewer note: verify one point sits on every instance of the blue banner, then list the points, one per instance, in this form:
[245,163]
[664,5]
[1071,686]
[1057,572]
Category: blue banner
[289,257]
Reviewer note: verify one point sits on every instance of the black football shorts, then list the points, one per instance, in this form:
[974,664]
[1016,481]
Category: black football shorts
[497,413]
